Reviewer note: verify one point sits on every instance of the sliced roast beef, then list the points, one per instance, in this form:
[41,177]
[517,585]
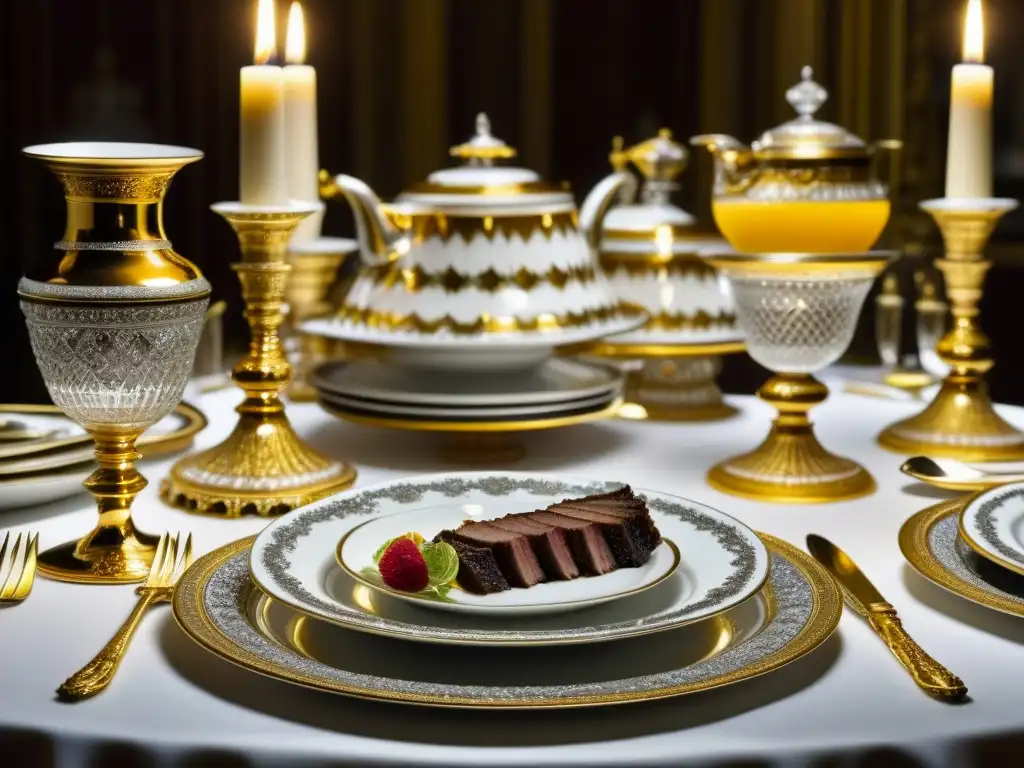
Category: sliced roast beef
[548,544]
[586,542]
[478,569]
[512,550]
[627,537]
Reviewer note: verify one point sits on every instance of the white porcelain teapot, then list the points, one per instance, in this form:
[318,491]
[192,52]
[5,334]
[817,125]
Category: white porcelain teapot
[478,257]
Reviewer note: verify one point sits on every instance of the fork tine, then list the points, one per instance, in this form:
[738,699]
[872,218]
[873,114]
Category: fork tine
[158,561]
[7,590]
[186,558]
[168,570]
[28,568]
[3,552]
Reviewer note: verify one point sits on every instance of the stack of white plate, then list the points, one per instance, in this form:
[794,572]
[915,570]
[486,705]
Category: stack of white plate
[556,389]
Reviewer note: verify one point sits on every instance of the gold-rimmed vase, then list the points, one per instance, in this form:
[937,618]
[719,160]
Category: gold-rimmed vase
[263,467]
[799,313]
[960,421]
[114,316]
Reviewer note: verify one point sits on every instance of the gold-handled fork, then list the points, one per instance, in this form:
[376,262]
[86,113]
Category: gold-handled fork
[20,575]
[166,569]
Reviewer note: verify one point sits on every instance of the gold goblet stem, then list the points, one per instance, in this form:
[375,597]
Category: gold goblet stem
[262,466]
[961,422]
[114,552]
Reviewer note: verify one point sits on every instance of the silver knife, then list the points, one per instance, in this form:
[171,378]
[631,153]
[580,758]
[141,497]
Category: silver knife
[862,596]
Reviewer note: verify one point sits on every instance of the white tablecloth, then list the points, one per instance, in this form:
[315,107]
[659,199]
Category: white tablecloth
[848,704]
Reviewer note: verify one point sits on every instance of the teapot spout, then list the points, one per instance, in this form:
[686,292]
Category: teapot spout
[600,199]
[380,241]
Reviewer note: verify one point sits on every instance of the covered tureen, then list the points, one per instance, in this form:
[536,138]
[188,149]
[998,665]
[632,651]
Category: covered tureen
[806,186]
[483,264]
[649,253]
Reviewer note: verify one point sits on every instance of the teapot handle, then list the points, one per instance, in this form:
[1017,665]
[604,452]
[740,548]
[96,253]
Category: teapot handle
[600,199]
[380,241]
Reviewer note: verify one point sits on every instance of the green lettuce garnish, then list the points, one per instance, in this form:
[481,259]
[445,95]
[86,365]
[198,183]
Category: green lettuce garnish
[442,563]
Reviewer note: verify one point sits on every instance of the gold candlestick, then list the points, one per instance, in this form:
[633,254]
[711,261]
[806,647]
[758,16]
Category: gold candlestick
[960,422]
[262,466]
[315,265]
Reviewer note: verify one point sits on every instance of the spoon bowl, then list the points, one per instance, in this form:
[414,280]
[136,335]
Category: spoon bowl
[955,475]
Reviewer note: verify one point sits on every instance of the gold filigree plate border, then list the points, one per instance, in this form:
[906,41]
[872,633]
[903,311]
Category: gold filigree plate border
[190,613]
[149,445]
[913,539]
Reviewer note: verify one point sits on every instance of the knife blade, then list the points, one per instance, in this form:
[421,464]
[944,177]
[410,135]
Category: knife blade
[866,600]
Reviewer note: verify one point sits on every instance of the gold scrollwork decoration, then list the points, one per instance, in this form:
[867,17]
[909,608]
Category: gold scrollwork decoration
[424,226]
[644,264]
[415,279]
[394,321]
[113,187]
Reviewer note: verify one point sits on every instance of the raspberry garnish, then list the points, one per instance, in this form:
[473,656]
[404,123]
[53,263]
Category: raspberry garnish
[402,566]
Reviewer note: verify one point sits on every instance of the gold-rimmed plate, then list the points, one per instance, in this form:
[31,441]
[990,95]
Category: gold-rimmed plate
[356,549]
[931,543]
[992,524]
[293,560]
[217,605]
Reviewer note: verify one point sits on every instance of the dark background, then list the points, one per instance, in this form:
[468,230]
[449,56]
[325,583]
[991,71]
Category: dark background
[401,80]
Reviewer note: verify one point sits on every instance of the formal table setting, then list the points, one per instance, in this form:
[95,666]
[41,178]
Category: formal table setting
[491,506]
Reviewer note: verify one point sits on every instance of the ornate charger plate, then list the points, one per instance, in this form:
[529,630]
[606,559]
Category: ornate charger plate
[293,561]
[992,524]
[216,603]
[931,543]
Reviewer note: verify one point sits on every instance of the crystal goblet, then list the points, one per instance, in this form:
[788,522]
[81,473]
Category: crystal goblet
[799,313]
[114,316]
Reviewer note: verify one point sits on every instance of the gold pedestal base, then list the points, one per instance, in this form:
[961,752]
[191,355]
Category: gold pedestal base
[107,555]
[791,466]
[681,389]
[959,423]
[262,468]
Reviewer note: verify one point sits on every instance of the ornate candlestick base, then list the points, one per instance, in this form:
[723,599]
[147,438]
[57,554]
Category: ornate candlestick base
[263,467]
[791,465]
[315,265]
[960,422]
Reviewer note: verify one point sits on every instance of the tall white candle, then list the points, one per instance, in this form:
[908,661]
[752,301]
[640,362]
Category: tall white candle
[969,157]
[261,170]
[301,153]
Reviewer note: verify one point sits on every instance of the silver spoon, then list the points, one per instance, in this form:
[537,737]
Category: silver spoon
[956,475]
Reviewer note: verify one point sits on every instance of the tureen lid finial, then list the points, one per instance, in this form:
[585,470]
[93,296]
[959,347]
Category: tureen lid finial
[660,158]
[483,147]
[807,96]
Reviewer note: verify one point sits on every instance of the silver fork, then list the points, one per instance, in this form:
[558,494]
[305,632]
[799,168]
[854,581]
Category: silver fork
[20,576]
[166,569]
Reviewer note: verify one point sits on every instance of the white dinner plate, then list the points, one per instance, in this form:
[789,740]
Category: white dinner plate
[445,412]
[992,524]
[356,549]
[293,561]
[555,380]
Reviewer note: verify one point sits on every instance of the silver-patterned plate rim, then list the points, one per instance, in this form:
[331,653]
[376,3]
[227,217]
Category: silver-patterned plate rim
[805,609]
[930,541]
[273,544]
